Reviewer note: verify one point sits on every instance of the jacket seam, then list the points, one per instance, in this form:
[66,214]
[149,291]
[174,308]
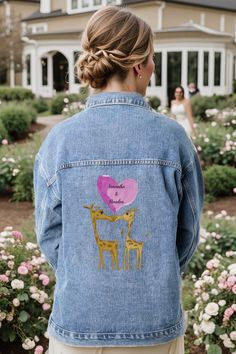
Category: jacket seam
[97,163]
[147,108]
[123,335]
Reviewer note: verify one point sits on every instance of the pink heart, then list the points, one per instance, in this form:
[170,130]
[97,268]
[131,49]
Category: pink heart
[117,195]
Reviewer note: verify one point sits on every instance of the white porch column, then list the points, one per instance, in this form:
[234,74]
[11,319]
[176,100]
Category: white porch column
[184,69]
[70,59]
[211,70]
[200,68]
[50,75]
[164,78]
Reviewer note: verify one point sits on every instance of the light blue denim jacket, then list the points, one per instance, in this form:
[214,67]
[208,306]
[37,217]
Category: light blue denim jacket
[118,196]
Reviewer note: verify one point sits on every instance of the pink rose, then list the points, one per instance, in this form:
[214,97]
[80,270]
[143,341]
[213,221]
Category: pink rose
[4,142]
[44,278]
[231,281]
[234,307]
[228,312]
[210,264]
[46,307]
[27,265]
[22,270]
[38,349]
[4,278]
[234,291]
[234,190]
[17,234]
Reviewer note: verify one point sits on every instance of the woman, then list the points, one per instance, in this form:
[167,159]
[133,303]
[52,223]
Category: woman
[118,196]
[181,110]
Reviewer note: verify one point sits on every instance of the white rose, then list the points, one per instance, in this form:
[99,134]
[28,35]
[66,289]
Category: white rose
[228,344]
[208,279]
[208,326]
[198,284]
[28,344]
[17,284]
[33,289]
[196,329]
[214,292]
[200,316]
[224,336]
[16,302]
[205,296]
[212,309]
[206,317]
[222,302]
[233,335]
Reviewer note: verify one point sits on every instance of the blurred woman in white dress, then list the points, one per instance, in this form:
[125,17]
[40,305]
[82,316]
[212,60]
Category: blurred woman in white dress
[181,110]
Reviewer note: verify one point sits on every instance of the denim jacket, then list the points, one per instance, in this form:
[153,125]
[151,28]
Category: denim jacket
[118,197]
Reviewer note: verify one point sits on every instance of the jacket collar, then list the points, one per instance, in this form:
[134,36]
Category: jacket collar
[107,98]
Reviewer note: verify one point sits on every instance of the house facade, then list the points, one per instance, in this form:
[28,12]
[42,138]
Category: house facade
[12,11]
[194,41]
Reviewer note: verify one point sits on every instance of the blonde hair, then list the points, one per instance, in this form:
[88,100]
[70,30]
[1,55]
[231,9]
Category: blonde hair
[114,41]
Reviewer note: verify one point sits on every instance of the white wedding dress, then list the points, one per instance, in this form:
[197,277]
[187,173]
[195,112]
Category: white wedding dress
[178,110]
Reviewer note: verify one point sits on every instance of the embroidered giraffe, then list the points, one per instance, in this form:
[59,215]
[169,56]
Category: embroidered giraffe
[104,245]
[130,244]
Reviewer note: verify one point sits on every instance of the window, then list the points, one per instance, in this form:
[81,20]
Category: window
[193,67]
[206,68]
[85,3]
[158,68]
[74,4]
[76,56]
[37,28]
[44,63]
[88,5]
[28,69]
[217,69]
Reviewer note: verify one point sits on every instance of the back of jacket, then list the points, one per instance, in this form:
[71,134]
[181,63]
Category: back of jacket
[119,194]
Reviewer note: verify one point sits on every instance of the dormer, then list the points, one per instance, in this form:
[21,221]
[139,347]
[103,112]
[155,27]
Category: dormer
[76,6]
[45,6]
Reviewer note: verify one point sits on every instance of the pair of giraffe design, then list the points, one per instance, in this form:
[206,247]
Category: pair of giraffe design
[112,246]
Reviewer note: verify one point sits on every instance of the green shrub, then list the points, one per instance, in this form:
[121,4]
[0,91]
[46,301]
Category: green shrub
[16,168]
[23,183]
[154,102]
[220,180]
[16,119]
[59,101]
[216,144]
[15,94]
[40,105]
[3,132]
[201,103]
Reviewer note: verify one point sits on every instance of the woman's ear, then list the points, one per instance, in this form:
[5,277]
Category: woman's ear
[137,70]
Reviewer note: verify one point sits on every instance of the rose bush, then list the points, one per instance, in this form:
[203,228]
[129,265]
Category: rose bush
[26,286]
[215,311]
[217,235]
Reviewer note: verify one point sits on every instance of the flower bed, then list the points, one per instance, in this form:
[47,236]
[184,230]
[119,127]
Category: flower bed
[26,286]
[215,310]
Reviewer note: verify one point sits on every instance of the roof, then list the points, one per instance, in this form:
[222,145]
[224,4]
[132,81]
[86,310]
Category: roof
[26,1]
[216,4]
[37,14]
[194,27]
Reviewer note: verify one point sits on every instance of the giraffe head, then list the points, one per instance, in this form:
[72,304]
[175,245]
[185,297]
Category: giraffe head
[98,214]
[128,216]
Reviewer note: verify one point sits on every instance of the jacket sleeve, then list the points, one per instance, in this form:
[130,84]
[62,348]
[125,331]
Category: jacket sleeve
[190,211]
[48,213]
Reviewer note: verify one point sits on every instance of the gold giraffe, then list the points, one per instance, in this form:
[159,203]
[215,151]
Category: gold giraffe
[103,245]
[130,244]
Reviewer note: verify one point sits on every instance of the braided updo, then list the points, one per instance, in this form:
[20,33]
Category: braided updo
[114,41]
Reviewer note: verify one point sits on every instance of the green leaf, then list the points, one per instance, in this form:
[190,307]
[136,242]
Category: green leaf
[214,349]
[23,297]
[12,336]
[4,290]
[219,330]
[23,316]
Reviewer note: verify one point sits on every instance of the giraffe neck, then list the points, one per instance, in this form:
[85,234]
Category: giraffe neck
[129,230]
[94,221]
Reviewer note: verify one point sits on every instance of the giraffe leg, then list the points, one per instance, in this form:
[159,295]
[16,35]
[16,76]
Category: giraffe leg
[128,259]
[102,259]
[117,260]
[140,266]
[125,254]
